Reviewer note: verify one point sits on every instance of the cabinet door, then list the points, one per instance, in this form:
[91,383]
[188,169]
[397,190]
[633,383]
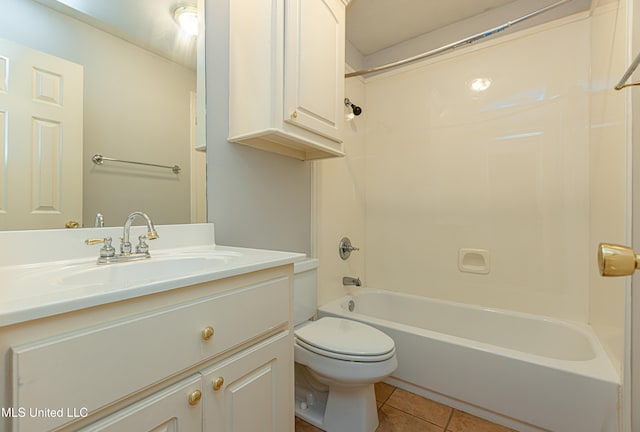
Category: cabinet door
[253,390]
[314,65]
[175,409]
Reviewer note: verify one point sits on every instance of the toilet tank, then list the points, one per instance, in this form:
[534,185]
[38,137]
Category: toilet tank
[305,289]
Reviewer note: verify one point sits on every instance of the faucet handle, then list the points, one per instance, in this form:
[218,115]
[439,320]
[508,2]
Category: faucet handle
[142,246]
[93,241]
[106,251]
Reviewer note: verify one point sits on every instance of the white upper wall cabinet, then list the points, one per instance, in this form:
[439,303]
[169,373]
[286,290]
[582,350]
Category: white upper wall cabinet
[286,76]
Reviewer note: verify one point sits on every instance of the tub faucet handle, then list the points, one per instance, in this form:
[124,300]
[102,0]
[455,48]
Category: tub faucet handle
[345,248]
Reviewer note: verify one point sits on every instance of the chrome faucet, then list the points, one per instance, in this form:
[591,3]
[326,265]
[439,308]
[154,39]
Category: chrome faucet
[99,222]
[108,253]
[351,281]
[152,234]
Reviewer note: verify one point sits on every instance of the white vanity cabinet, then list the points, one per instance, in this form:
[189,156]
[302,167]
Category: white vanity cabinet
[146,363]
[247,392]
[286,76]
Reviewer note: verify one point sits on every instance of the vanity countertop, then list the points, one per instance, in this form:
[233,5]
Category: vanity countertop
[32,288]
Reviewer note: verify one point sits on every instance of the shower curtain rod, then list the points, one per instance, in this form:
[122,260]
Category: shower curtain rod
[632,67]
[455,45]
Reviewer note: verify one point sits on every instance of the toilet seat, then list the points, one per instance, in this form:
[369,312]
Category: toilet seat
[344,339]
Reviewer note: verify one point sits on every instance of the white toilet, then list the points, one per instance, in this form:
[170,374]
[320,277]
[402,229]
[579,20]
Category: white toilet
[337,362]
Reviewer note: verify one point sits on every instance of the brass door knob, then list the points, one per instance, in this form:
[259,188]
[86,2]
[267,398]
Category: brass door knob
[217,383]
[207,333]
[616,260]
[194,397]
[72,224]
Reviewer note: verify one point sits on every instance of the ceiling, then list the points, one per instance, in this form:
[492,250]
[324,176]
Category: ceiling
[146,23]
[373,25]
[376,25]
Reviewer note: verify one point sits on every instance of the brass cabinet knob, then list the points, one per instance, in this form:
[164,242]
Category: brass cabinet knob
[207,333]
[616,260]
[194,397]
[217,383]
[294,115]
[72,224]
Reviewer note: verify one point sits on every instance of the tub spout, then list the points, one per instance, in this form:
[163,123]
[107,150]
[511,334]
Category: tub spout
[347,280]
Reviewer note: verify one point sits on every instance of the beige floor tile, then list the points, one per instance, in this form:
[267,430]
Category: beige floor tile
[394,420]
[465,422]
[383,391]
[418,406]
[303,426]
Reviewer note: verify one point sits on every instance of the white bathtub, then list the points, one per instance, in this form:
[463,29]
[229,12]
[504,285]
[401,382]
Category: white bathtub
[524,371]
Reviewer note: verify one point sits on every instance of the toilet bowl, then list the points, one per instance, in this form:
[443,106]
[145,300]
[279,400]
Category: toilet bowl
[338,361]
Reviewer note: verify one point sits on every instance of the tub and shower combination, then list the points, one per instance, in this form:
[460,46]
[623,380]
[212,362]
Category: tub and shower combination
[527,372]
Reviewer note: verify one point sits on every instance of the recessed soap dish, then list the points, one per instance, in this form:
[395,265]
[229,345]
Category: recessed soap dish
[474,261]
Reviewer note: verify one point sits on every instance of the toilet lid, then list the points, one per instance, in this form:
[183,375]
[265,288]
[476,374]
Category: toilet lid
[346,338]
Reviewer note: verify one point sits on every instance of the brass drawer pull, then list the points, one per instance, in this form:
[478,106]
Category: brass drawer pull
[217,383]
[207,333]
[194,397]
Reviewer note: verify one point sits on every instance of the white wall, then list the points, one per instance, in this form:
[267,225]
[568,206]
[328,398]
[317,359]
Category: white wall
[136,107]
[532,170]
[255,198]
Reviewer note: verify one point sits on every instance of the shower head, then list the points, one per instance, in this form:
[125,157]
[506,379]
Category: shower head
[355,109]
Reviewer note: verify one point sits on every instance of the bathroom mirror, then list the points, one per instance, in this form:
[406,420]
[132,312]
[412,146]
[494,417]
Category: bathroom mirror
[141,89]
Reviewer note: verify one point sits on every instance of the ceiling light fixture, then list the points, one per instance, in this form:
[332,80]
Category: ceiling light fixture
[480,84]
[187,18]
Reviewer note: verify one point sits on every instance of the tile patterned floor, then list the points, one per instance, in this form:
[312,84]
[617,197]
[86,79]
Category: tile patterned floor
[402,411]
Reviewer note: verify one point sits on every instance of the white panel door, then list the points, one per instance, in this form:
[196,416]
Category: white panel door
[41,99]
[631,374]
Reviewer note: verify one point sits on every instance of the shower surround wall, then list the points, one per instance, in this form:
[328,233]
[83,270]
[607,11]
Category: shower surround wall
[340,203]
[507,169]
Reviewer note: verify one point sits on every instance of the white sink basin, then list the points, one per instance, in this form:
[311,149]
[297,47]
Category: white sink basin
[138,272]
[49,272]
[169,265]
